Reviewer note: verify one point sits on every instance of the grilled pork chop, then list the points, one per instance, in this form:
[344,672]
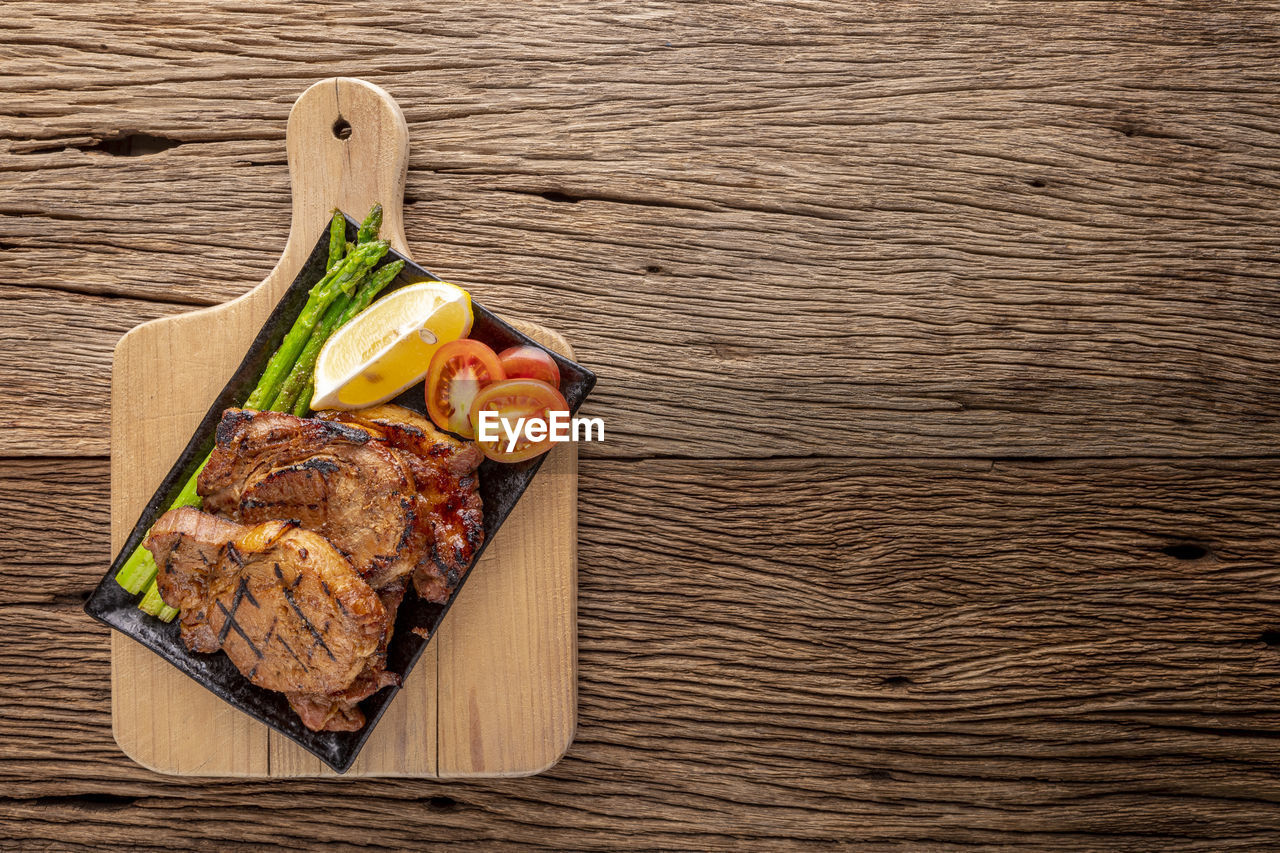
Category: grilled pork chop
[338,712]
[289,611]
[380,492]
[333,478]
[444,474]
[181,540]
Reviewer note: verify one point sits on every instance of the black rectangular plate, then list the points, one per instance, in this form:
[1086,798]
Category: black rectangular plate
[500,487]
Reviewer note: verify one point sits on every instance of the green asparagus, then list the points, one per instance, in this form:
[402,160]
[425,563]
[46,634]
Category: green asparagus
[365,295]
[337,240]
[154,605]
[306,363]
[371,225]
[341,280]
[302,407]
[343,309]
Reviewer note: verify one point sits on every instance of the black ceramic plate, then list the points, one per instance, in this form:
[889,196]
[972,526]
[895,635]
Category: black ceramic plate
[500,486]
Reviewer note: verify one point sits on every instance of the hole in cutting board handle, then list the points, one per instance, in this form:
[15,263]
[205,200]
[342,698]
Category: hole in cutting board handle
[342,128]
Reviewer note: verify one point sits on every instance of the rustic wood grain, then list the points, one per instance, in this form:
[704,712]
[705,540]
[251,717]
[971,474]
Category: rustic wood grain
[985,231]
[845,229]
[950,653]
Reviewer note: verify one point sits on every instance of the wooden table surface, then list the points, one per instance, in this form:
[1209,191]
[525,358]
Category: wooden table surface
[937,347]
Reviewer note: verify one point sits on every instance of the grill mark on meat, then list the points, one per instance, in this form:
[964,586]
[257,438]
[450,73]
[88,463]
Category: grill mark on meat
[227,426]
[315,463]
[347,432]
[258,503]
[411,430]
[288,595]
[231,615]
[231,623]
[293,654]
[411,518]
[235,556]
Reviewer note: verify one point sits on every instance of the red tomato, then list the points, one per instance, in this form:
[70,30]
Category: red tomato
[458,372]
[527,362]
[513,399]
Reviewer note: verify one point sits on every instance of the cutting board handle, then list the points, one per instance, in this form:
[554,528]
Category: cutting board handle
[348,147]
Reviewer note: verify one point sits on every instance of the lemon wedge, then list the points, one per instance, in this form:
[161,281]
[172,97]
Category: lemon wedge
[388,346]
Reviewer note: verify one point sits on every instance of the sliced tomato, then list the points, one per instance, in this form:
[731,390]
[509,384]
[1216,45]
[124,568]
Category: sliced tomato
[459,370]
[526,362]
[513,399]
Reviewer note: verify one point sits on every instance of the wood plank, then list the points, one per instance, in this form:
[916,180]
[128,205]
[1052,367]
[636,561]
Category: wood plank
[856,230]
[776,655]
[1019,230]
[58,363]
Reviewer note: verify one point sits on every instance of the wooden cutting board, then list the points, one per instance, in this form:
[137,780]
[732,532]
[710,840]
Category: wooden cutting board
[495,693]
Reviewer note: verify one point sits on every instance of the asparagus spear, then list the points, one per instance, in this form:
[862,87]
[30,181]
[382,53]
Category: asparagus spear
[306,363]
[365,295]
[372,223]
[302,407]
[337,240]
[153,604]
[343,309]
[341,280]
[291,395]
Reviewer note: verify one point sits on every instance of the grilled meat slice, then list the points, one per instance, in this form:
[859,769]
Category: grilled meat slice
[186,543]
[339,712]
[289,611]
[444,474]
[407,430]
[334,478]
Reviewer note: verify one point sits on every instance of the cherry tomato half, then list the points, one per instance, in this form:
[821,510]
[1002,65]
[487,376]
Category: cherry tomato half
[513,399]
[526,362]
[459,370]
